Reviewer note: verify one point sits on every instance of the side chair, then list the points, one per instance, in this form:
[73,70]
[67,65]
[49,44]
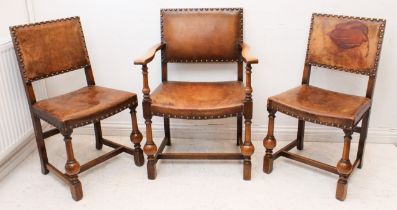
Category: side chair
[50,48]
[343,43]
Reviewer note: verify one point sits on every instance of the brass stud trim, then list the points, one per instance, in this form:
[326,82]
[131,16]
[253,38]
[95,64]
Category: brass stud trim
[116,110]
[290,112]
[195,117]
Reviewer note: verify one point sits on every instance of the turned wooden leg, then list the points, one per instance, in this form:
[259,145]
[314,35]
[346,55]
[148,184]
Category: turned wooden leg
[301,134]
[247,149]
[40,145]
[167,130]
[363,137]
[72,168]
[239,130]
[98,135]
[344,167]
[150,150]
[270,143]
[136,138]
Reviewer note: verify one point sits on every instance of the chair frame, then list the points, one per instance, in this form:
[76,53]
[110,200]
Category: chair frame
[154,154]
[344,168]
[72,166]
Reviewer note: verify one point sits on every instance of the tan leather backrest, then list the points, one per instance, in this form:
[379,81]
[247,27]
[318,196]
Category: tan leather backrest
[50,48]
[201,35]
[345,43]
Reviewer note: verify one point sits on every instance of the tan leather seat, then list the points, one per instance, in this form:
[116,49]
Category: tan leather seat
[321,106]
[198,99]
[91,102]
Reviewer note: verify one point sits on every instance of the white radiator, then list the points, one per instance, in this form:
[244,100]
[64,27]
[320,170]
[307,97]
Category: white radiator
[15,123]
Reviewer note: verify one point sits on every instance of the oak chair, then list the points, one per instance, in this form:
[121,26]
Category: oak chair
[199,36]
[50,48]
[344,43]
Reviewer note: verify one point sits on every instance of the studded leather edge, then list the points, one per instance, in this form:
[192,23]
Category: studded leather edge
[19,53]
[286,110]
[196,117]
[368,72]
[180,10]
[65,127]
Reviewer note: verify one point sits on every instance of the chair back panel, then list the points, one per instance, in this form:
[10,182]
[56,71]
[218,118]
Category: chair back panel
[345,43]
[201,35]
[50,48]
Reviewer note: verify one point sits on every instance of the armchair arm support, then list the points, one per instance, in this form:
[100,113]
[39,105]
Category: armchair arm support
[247,148]
[149,55]
[248,87]
[146,93]
[144,61]
[146,90]
[247,58]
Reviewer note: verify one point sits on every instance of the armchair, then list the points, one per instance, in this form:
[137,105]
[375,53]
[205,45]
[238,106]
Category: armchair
[191,36]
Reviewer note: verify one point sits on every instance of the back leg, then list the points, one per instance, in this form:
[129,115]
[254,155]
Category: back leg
[239,130]
[98,135]
[301,134]
[40,144]
[167,130]
[363,137]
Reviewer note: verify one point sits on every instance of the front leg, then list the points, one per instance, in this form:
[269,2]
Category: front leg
[150,147]
[150,150]
[136,138]
[247,149]
[270,143]
[344,167]
[72,168]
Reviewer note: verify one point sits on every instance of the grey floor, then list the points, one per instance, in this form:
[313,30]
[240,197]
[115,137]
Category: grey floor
[180,184]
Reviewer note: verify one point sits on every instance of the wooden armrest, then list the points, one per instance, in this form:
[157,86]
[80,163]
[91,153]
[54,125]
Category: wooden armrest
[149,55]
[247,58]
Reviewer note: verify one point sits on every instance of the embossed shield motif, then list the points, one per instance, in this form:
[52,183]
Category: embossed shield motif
[349,34]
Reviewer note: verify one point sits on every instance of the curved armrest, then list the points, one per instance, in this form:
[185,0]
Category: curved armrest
[247,58]
[149,55]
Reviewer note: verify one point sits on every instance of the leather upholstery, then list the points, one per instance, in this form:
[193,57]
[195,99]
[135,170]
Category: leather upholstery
[198,99]
[345,43]
[50,48]
[83,106]
[321,106]
[201,35]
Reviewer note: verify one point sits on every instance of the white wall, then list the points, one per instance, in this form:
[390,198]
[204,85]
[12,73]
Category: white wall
[118,31]
[11,13]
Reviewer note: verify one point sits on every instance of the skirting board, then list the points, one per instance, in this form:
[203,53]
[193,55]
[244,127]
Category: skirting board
[224,132]
[17,154]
